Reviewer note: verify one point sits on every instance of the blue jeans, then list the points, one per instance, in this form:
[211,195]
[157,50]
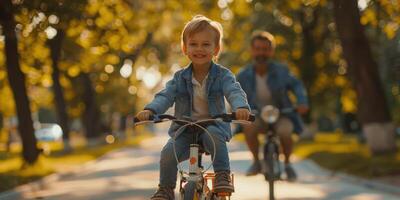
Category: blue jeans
[168,164]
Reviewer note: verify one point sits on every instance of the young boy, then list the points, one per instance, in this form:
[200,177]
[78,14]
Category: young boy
[198,91]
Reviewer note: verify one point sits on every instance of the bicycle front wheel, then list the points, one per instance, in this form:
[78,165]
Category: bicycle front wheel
[270,156]
[190,191]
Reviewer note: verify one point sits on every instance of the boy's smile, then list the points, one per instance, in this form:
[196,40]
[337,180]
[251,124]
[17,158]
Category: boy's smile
[201,47]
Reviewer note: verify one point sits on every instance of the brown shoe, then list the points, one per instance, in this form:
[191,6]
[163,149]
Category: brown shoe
[223,182]
[164,193]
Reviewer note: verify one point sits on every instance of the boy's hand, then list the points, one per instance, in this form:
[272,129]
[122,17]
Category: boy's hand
[242,114]
[144,115]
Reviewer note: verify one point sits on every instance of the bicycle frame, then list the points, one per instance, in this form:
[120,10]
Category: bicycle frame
[194,178]
[197,179]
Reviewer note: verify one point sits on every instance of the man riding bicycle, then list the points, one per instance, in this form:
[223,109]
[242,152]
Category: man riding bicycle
[268,82]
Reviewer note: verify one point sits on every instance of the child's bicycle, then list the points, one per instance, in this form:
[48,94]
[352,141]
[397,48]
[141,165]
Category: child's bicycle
[196,183]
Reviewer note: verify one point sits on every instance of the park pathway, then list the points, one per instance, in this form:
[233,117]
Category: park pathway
[132,173]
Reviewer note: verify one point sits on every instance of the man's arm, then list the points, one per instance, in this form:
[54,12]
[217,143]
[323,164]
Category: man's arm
[239,78]
[297,87]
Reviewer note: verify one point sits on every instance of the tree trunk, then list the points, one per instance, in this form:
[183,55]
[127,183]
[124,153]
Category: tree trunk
[309,49]
[91,118]
[55,51]
[373,112]
[17,82]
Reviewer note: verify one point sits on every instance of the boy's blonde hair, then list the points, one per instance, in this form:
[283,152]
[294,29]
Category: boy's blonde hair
[199,23]
[263,35]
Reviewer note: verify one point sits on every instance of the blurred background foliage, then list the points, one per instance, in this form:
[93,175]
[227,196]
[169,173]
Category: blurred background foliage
[128,49]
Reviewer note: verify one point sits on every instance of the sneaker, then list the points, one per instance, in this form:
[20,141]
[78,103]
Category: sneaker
[223,182]
[290,173]
[164,193]
[254,169]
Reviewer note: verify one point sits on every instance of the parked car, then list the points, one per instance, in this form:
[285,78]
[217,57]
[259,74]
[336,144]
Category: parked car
[48,132]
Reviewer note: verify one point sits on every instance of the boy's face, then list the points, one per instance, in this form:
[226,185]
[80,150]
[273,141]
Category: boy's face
[200,47]
[261,51]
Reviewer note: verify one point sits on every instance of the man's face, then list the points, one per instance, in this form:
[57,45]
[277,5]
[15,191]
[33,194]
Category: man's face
[261,51]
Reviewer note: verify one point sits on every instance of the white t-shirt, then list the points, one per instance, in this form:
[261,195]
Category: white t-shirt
[263,93]
[200,100]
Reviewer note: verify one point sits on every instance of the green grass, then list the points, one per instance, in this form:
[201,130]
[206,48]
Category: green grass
[13,173]
[338,152]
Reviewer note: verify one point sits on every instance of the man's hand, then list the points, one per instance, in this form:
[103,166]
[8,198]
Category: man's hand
[242,114]
[302,109]
[144,115]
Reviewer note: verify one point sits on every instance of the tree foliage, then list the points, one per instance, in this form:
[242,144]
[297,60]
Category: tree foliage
[141,39]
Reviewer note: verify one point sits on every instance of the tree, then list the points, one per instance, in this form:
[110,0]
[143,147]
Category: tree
[91,116]
[373,111]
[17,82]
[60,13]
[60,103]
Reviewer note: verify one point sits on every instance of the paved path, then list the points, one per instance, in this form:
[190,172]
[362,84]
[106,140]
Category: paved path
[133,174]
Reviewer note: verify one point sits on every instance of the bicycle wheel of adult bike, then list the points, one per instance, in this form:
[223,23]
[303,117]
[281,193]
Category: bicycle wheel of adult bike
[190,191]
[270,156]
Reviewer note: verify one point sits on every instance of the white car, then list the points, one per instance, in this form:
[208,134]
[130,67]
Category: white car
[48,132]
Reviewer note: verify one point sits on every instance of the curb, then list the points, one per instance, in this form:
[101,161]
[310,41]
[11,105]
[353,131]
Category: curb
[383,187]
[370,184]
[17,192]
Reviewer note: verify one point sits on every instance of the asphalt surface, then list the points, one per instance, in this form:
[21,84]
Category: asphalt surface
[132,173]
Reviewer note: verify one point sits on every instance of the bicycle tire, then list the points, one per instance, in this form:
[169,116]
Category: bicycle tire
[270,159]
[190,192]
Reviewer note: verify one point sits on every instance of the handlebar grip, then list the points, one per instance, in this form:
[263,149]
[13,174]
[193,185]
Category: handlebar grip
[166,116]
[252,117]
[136,120]
[232,116]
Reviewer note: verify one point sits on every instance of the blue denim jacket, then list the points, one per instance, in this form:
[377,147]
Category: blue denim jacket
[220,82]
[280,81]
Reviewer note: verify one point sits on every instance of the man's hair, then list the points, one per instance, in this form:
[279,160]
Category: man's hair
[263,35]
[200,23]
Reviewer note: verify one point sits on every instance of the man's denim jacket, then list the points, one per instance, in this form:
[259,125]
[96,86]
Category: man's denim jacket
[220,83]
[280,81]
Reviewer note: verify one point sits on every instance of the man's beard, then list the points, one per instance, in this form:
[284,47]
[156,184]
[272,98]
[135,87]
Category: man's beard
[261,59]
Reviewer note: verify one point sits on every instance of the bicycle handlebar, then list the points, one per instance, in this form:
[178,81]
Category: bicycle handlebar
[229,117]
[226,117]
